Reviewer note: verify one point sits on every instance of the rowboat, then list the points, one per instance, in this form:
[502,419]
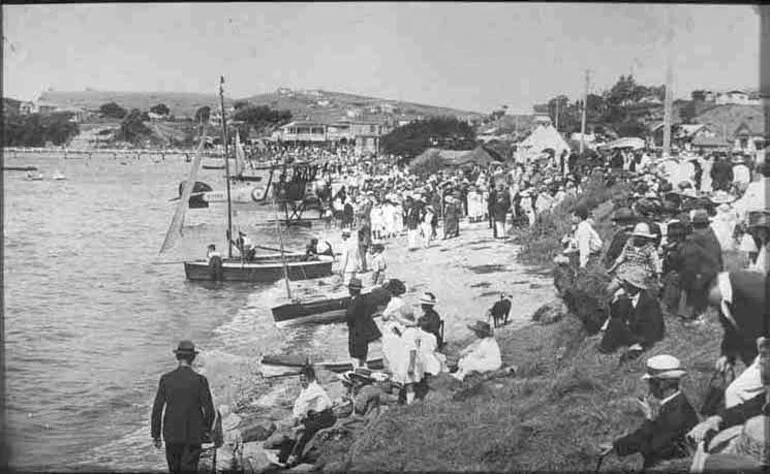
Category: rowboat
[266,268]
[288,365]
[324,310]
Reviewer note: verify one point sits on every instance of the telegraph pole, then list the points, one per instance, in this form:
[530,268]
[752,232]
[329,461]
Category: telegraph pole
[583,119]
[557,114]
[669,89]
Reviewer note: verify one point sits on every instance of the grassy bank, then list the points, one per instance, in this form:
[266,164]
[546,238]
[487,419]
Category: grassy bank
[565,399]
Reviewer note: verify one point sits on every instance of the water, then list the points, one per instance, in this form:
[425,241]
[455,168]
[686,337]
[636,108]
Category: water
[90,321]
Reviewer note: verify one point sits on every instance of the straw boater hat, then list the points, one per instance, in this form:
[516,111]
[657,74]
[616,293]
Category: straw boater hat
[185,347]
[759,219]
[428,298]
[664,367]
[642,230]
[481,328]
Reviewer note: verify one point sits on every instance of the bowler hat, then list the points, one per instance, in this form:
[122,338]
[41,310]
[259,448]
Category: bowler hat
[355,284]
[481,328]
[185,347]
[664,367]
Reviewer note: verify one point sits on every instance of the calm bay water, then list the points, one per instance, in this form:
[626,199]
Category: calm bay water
[90,320]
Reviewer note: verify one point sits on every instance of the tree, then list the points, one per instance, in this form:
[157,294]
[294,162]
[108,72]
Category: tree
[160,109]
[203,114]
[240,104]
[112,110]
[687,111]
[133,129]
[37,130]
[416,137]
[261,116]
[698,95]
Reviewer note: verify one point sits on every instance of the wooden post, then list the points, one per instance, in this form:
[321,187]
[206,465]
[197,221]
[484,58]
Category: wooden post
[764,69]
[583,119]
[669,90]
[227,168]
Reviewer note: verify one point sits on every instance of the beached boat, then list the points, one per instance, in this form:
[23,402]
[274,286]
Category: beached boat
[288,365]
[216,163]
[324,310]
[58,176]
[266,268]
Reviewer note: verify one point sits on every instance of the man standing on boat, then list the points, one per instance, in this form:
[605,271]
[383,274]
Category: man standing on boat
[189,412]
[361,326]
[349,259]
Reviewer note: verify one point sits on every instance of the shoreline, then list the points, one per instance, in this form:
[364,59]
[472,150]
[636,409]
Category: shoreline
[466,274]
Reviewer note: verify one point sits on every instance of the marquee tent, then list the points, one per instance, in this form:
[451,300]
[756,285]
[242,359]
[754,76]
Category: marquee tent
[542,138]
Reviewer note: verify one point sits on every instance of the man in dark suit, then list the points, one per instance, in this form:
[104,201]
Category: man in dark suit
[189,412]
[636,319]
[699,261]
[361,326]
[662,436]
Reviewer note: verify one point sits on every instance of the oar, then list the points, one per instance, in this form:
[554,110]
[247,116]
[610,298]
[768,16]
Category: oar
[272,249]
[191,195]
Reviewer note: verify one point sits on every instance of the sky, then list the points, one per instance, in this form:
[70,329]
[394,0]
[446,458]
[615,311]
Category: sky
[470,56]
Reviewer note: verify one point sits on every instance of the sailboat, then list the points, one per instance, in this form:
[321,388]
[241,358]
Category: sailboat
[250,188]
[58,174]
[264,268]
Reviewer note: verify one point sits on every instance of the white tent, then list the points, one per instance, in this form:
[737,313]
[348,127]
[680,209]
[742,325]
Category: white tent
[541,139]
[627,142]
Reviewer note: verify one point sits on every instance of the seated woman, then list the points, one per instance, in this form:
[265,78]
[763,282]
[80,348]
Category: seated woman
[312,413]
[639,252]
[482,355]
[636,319]
[430,318]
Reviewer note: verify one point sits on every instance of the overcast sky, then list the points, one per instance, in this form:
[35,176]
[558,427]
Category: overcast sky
[469,56]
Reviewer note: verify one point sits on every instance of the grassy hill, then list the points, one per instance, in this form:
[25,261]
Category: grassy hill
[314,105]
[731,116]
[326,105]
[181,104]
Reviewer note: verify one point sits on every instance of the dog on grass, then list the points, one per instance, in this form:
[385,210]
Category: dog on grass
[500,310]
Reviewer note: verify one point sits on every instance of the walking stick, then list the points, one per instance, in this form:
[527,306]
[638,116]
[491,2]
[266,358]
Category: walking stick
[600,461]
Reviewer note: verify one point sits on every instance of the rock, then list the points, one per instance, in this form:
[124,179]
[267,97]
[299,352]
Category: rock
[550,312]
[254,458]
[256,430]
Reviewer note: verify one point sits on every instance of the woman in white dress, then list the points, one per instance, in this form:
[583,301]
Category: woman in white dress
[405,364]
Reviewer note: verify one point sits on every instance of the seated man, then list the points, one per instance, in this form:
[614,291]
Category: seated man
[312,413]
[660,437]
[728,419]
[311,250]
[480,356]
[635,320]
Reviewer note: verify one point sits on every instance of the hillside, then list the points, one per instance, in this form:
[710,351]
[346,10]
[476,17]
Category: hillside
[181,104]
[313,105]
[731,116]
[326,105]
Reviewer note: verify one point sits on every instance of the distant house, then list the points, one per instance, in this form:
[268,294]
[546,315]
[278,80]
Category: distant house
[367,135]
[302,131]
[704,144]
[353,113]
[749,137]
[156,117]
[542,119]
[733,97]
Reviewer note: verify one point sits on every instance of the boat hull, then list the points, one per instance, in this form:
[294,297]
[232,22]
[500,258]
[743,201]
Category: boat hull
[258,271]
[274,369]
[324,311]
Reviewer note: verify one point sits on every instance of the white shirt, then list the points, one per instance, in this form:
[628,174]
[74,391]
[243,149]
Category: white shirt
[584,234]
[481,356]
[635,299]
[726,289]
[314,398]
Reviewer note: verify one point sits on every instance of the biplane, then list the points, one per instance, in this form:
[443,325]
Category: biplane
[294,195]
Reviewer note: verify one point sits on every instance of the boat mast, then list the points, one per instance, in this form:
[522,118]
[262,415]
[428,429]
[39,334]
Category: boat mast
[283,258]
[227,168]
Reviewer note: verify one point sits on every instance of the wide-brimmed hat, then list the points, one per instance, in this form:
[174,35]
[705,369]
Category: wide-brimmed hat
[642,229]
[664,367]
[360,374]
[624,214]
[635,276]
[428,298]
[722,197]
[481,328]
[185,347]
[355,284]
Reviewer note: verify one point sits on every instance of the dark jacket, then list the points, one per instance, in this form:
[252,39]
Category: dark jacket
[699,259]
[664,437]
[628,325]
[741,413]
[616,246]
[433,324]
[189,412]
[749,309]
[722,172]
[501,206]
[361,326]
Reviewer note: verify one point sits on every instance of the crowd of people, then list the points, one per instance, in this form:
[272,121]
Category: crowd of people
[673,226]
